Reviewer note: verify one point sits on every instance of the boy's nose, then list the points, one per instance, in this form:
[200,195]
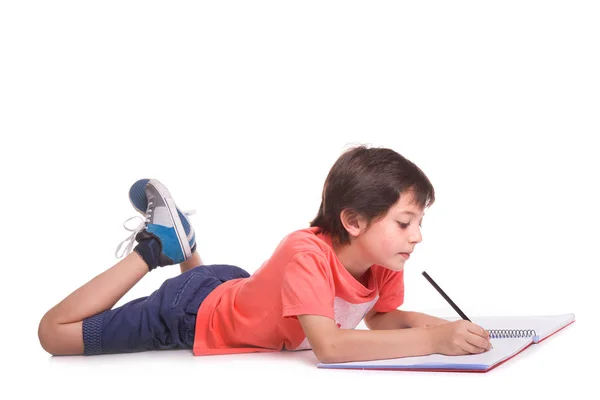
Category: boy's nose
[416,237]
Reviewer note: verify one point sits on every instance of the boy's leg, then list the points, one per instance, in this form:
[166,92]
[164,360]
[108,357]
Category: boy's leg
[163,241]
[193,261]
[60,330]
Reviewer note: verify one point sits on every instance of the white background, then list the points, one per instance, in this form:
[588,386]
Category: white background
[240,108]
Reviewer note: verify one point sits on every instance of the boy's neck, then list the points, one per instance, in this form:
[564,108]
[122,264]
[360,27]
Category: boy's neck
[352,259]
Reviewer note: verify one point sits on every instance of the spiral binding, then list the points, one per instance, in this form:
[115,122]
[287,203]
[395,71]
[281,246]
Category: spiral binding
[511,333]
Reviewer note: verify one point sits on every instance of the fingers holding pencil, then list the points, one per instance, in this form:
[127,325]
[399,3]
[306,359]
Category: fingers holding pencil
[460,338]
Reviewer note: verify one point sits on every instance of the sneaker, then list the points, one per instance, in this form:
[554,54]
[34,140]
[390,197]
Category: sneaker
[164,224]
[139,201]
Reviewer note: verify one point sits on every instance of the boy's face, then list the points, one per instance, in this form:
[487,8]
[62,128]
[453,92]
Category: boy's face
[390,240]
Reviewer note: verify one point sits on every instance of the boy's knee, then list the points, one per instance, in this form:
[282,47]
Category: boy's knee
[60,339]
[46,333]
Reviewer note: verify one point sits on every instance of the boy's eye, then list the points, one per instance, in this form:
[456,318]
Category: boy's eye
[406,225]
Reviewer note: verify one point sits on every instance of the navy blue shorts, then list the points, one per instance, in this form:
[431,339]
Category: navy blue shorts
[164,320]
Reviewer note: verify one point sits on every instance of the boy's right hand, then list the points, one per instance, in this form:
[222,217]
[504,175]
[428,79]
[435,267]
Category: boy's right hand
[459,338]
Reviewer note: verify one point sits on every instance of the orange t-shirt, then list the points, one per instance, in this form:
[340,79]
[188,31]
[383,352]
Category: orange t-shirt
[303,276]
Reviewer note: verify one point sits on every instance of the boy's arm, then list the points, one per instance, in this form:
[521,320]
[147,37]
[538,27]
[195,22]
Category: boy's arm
[398,319]
[331,344]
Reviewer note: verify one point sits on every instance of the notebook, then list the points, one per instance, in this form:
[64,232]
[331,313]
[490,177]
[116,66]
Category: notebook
[509,337]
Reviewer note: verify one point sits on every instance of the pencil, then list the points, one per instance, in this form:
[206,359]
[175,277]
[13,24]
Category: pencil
[445,296]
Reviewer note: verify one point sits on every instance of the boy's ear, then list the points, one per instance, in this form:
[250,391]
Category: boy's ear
[352,222]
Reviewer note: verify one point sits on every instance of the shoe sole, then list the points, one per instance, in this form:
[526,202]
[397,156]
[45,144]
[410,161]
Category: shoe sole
[179,230]
[137,196]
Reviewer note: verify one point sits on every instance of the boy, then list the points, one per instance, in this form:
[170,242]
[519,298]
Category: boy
[319,283]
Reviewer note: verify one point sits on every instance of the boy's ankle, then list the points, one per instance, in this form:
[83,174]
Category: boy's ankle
[149,249]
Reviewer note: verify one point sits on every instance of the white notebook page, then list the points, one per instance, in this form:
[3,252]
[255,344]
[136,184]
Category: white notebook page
[502,348]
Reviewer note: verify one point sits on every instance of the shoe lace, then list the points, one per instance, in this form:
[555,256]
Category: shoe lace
[129,242]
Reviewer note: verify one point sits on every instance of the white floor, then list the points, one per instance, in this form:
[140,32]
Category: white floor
[557,366]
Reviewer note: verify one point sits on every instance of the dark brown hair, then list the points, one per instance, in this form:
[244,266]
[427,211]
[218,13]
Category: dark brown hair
[368,181]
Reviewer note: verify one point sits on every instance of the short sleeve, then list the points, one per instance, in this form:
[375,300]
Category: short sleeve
[391,290]
[307,286]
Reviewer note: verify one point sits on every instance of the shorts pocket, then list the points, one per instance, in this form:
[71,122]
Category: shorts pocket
[187,289]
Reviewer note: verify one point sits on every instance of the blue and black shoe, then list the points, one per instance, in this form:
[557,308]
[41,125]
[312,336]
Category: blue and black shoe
[163,238]
[139,201]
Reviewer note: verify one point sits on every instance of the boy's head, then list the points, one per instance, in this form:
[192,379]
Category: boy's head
[364,185]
